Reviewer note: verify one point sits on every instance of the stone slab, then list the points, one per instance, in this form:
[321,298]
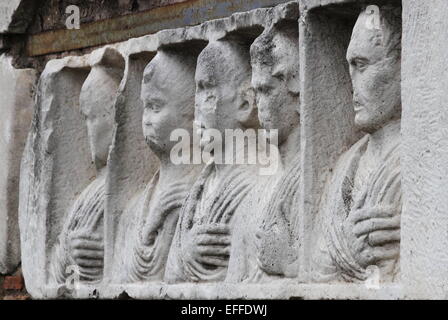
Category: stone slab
[17,89]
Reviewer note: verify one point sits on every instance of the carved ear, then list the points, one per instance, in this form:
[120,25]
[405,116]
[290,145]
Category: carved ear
[247,110]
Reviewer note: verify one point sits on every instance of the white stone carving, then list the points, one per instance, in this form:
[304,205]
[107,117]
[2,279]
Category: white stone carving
[7,10]
[148,224]
[81,241]
[265,243]
[17,87]
[71,134]
[104,210]
[224,100]
[362,204]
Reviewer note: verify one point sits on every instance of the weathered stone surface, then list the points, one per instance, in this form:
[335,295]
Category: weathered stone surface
[147,226]
[49,14]
[16,15]
[425,171]
[17,87]
[361,205]
[130,193]
[265,240]
[324,39]
[353,209]
[61,140]
[7,9]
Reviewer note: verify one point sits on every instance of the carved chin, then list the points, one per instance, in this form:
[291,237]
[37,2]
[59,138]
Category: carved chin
[155,145]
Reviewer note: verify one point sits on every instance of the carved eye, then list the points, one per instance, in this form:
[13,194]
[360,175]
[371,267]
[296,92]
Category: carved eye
[360,64]
[280,77]
[155,108]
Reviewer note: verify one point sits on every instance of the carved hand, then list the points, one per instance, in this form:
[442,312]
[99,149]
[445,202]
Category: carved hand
[170,200]
[373,234]
[208,244]
[87,251]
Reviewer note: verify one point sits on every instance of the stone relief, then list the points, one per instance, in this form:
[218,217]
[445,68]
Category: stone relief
[70,134]
[148,225]
[265,244]
[17,89]
[81,242]
[116,206]
[362,205]
[224,100]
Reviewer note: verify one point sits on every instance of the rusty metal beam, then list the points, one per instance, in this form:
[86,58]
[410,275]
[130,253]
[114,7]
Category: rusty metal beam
[122,28]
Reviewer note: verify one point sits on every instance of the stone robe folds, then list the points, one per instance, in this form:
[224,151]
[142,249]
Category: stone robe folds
[87,216]
[134,260]
[382,187]
[206,206]
[272,211]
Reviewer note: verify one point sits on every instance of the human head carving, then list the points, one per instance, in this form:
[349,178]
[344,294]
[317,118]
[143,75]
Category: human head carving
[374,56]
[97,102]
[224,96]
[168,91]
[275,78]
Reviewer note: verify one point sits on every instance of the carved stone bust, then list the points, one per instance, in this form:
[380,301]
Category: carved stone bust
[81,240]
[362,205]
[265,244]
[224,100]
[147,227]
[110,209]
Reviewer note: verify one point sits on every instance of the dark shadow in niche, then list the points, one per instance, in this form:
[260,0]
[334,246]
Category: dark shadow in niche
[68,148]
[192,47]
[245,36]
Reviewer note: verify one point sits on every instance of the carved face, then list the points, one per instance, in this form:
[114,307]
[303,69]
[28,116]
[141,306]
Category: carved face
[97,105]
[276,83]
[222,80]
[375,73]
[168,100]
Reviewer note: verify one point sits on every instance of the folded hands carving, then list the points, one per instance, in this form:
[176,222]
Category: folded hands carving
[362,204]
[81,242]
[224,222]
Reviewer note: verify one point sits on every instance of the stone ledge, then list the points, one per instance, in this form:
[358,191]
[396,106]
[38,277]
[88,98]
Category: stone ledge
[283,289]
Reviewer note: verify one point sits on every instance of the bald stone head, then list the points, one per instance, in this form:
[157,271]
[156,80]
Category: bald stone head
[97,102]
[275,78]
[374,56]
[168,91]
[224,97]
